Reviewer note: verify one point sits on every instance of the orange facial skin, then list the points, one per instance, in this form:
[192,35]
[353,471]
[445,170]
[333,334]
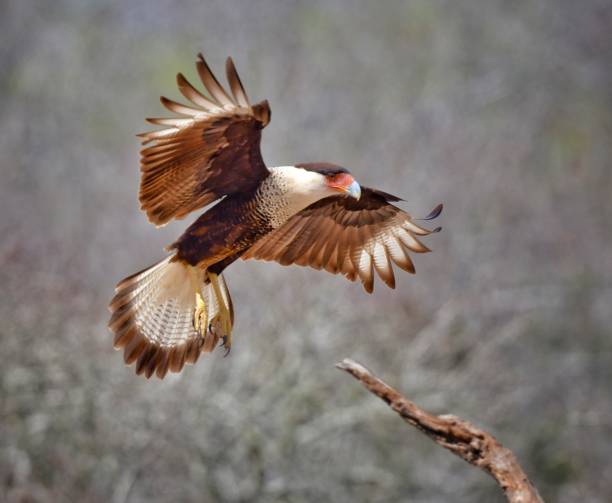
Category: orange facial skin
[340,181]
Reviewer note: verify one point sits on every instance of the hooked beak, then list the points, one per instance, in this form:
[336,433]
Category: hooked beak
[354,190]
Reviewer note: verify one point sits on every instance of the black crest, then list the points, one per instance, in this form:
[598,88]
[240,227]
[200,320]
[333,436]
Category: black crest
[325,168]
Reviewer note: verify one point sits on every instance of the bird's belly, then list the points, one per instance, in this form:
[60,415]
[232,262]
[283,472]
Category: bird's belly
[227,230]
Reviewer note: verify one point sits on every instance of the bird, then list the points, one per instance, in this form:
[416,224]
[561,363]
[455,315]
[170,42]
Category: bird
[310,214]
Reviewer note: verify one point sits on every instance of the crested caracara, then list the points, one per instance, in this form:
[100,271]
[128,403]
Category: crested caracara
[311,214]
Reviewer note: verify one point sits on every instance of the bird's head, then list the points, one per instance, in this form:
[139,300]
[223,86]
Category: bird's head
[331,180]
[305,184]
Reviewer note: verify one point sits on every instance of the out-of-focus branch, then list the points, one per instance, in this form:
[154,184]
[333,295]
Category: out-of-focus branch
[455,434]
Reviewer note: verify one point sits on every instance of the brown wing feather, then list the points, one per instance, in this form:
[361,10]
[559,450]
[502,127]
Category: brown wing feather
[236,84]
[209,151]
[342,235]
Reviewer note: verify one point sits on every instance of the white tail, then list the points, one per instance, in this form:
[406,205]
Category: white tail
[153,317]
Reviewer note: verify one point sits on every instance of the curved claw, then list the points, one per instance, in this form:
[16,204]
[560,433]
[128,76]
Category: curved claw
[226,343]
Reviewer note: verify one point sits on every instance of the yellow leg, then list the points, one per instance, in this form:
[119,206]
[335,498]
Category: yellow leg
[224,314]
[200,315]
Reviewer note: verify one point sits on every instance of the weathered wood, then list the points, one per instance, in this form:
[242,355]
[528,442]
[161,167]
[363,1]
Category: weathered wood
[462,438]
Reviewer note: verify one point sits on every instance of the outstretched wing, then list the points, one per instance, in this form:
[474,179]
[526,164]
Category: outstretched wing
[348,236]
[209,151]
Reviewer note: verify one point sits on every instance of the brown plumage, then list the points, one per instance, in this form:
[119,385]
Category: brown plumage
[186,167]
[346,236]
[312,214]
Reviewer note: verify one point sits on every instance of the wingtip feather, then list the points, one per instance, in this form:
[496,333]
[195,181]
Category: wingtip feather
[236,84]
[435,213]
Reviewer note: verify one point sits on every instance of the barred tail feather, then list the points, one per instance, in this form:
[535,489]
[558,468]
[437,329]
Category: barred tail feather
[152,318]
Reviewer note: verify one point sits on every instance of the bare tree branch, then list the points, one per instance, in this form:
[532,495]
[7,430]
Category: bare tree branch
[455,434]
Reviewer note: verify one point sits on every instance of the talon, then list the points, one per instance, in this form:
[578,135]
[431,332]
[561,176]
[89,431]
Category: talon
[226,342]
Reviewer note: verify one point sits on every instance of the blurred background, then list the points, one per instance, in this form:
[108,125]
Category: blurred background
[501,110]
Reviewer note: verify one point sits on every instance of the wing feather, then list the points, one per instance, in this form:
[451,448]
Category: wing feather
[212,84]
[195,96]
[353,238]
[236,84]
[161,121]
[211,150]
[179,108]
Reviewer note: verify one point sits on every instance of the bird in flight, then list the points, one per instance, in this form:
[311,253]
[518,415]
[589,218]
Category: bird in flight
[309,214]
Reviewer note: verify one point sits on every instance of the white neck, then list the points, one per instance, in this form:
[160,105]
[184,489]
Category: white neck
[289,190]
